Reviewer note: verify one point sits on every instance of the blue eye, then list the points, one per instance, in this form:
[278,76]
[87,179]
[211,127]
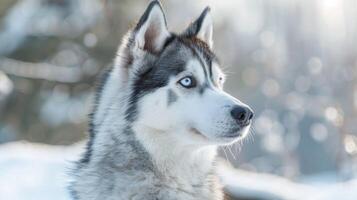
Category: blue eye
[188,82]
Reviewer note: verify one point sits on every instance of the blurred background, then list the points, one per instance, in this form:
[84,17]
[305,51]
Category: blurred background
[294,62]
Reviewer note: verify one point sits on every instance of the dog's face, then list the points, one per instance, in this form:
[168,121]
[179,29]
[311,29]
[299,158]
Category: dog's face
[177,83]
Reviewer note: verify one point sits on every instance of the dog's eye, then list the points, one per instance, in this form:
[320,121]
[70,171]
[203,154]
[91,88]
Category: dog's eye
[188,82]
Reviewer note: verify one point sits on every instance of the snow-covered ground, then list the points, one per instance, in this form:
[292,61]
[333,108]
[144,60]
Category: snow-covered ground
[39,172]
[35,171]
[266,186]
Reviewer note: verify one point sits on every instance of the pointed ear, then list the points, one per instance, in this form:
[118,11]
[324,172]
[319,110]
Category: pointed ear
[202,28]
[151,31]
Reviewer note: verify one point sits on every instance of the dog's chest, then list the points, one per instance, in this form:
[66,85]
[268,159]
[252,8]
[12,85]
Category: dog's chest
[151,187]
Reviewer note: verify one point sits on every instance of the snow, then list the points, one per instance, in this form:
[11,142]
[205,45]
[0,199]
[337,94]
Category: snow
[265,186]
[40,172]
[35,171]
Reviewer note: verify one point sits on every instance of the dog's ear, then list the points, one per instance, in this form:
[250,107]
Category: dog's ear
[151,31]
[202,28]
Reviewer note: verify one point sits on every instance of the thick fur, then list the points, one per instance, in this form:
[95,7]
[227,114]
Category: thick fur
[150,138]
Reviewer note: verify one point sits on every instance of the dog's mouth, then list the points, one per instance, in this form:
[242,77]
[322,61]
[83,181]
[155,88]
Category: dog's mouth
[197,132]
[232,134]
[239,132]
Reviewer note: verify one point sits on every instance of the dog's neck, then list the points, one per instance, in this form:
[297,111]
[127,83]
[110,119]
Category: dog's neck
[173,158]
[123,160]
[145,149]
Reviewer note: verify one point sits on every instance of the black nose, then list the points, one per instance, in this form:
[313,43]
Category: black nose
[242,115]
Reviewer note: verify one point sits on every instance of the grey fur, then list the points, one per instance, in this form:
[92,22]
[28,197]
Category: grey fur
[171,97]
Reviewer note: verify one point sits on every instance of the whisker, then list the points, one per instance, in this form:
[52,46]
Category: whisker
[230,150]
[225,153]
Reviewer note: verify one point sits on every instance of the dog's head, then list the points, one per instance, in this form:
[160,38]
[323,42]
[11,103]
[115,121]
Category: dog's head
[176,84]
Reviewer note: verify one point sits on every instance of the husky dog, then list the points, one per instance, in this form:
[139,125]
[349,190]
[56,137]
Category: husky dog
[160,114]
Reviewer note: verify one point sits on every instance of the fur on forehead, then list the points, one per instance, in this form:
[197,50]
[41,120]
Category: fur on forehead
[175,54]
[200,46]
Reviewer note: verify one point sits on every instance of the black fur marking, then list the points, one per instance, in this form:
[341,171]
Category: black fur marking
[210,69]
[169,40]
[203,88]
[171,97]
